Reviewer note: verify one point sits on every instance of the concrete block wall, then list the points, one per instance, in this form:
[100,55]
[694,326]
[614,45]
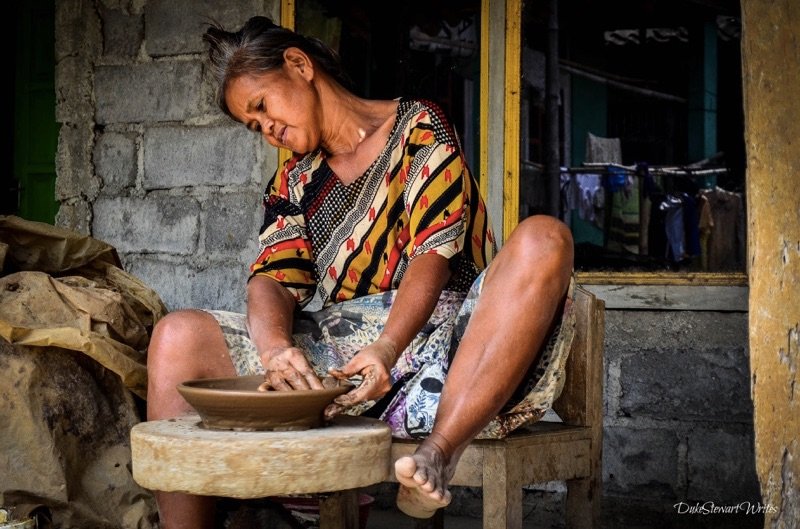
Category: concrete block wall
[678,419]
[146,161]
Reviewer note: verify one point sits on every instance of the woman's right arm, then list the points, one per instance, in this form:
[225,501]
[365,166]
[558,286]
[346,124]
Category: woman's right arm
[270,310]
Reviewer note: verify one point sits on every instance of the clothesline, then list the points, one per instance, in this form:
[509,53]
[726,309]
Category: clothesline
[590,167]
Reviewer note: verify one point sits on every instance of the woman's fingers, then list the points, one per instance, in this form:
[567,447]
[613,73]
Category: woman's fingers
[288,369]
[332,410]
[303,377]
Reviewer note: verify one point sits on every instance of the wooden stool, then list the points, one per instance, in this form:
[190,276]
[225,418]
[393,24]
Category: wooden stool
[180,455]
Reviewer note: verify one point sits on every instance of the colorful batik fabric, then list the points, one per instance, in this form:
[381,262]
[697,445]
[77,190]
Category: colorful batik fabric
[331,336]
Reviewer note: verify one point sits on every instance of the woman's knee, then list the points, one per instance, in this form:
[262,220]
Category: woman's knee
[178,332]
[542,237]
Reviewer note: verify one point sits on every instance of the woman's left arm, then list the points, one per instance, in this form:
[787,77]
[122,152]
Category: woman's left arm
[416,298]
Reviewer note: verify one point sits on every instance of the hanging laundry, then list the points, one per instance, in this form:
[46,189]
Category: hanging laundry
[623,229]
[672,207]
[705,224]
[691,225]
[727,243]
[591,198]
[569,196]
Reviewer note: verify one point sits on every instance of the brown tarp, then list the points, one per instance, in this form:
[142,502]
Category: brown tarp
[74,328]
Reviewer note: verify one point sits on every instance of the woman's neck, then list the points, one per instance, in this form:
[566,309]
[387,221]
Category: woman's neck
[359,138]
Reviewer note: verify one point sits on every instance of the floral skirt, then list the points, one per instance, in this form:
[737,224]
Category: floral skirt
[331,336]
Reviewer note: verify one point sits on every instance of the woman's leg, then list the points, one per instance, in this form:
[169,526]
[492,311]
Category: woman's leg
[185,345]
[522,292]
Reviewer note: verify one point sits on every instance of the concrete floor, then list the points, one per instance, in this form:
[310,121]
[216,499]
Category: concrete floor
[542,509]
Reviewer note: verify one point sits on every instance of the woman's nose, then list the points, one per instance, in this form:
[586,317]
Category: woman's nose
[266,126]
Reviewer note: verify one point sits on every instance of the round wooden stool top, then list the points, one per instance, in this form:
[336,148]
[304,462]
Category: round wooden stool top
[180,455]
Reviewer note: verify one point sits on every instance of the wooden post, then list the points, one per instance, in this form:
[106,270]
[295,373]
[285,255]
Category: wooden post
[339,510]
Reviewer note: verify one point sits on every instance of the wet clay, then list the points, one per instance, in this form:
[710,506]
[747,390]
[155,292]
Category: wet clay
[236,404]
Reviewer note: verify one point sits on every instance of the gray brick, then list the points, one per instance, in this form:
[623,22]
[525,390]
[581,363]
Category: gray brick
[722,467]
[179,156]
[160,91]
[156,223]
[232,223]
[175,27]
[186,284]
[122,33]
[673,330]
[74,163]
[640,461]
[73,90]
[221,286]
[77,29]
[74,215]
[115,161]
[681,384]
[170,280]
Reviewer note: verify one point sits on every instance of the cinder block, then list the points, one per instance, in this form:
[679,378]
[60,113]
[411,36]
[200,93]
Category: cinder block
[175,26]
[122,34]
[188,284]
[232,224]
[642,462]
[676,364]
[74,164]
[722,466]
[633,330]
[77,29]
[115,161]
[74,215]
[680,384]
[158,91]
[196,156]
[156,223]
[73,86]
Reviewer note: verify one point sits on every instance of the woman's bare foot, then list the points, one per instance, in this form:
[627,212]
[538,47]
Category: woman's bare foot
[423,479]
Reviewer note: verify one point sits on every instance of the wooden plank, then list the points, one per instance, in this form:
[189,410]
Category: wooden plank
[502,493]
[552,462]
[469,470]
[571,406]
[584,495]
[496,115]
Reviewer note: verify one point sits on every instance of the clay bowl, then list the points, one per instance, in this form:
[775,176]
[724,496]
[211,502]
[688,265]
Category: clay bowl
[236,404]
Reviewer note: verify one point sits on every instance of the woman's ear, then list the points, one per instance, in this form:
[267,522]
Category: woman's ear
[298,61]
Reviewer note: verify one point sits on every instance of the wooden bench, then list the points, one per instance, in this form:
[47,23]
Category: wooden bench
[545,451]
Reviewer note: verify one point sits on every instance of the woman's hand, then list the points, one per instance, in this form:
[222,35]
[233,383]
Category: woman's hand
[287,369]
[374,364]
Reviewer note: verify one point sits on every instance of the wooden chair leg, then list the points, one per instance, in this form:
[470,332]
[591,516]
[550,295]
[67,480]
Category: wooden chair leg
[583,504]
[502,494]
[339,510]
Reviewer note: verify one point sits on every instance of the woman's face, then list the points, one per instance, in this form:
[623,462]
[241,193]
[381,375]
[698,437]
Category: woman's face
[280,105]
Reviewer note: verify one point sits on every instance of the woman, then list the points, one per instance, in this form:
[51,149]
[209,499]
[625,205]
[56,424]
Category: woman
[379,217]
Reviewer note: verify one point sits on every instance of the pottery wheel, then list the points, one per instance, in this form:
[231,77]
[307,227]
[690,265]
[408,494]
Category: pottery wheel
[180,455]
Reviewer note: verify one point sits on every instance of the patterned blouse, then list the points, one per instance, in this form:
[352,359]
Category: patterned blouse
[352,240]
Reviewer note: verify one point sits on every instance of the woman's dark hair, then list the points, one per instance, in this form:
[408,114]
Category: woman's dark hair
[257,48]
